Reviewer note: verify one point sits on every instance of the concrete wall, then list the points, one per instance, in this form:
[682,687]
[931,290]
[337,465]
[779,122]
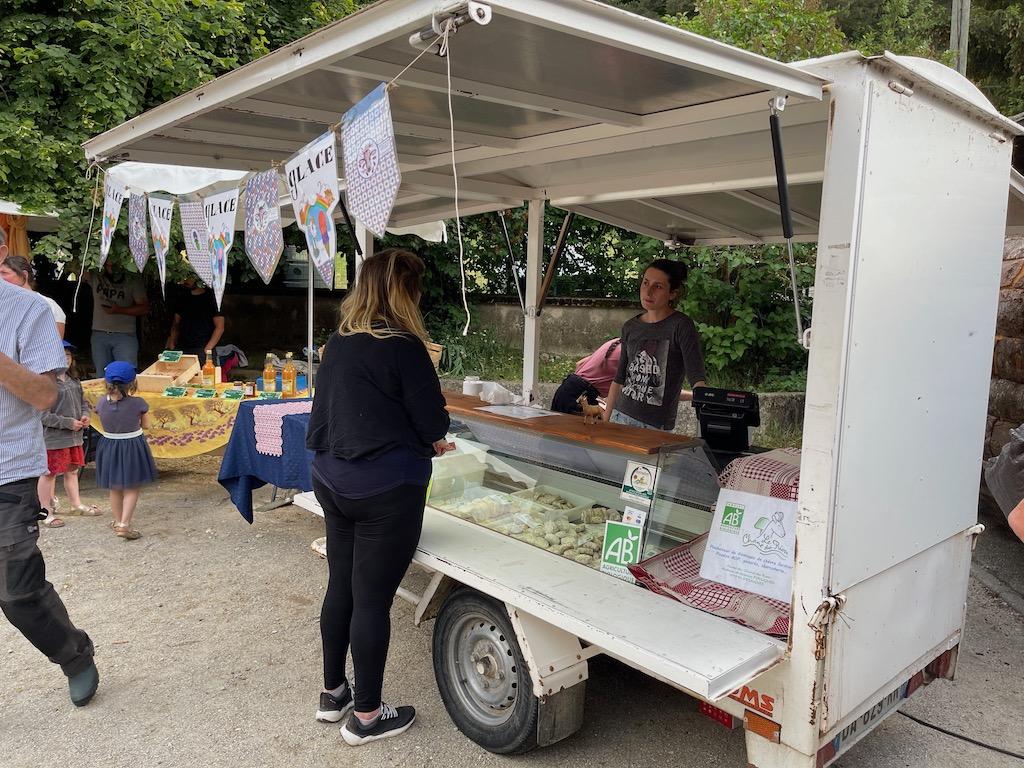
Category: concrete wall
[564,329]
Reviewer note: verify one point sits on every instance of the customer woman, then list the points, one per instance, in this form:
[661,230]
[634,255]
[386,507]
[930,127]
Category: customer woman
[378,418]
[17,270]
[660,348]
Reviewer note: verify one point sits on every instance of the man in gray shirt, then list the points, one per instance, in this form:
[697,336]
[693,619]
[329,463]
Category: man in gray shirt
[117,299]
[31,355]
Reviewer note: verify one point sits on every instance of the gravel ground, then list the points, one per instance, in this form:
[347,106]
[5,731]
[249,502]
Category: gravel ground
[207,642]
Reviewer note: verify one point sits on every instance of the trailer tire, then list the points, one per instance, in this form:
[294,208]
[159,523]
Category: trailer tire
[482,676]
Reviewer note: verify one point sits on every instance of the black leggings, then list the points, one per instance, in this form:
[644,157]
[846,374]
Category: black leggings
[370,543]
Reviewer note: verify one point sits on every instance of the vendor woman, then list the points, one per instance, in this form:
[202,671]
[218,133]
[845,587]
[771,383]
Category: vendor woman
[593,377]
[660,349]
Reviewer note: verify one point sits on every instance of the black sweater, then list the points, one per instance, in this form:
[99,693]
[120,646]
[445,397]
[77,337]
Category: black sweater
[373,395]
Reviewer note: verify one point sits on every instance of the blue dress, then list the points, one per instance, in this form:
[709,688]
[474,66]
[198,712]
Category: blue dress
[123,462]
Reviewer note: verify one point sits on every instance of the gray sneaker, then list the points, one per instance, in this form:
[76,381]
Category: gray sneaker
[333,708]
[393,721]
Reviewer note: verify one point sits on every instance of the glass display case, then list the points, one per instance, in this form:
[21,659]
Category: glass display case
[555,490]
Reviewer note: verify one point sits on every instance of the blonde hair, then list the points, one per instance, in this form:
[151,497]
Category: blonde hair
[384,301]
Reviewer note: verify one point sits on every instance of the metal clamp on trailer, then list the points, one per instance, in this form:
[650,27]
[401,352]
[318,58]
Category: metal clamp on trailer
[897,167]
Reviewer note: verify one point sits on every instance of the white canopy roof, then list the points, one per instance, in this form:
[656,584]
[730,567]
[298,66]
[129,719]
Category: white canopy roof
[34,222]
[621,118]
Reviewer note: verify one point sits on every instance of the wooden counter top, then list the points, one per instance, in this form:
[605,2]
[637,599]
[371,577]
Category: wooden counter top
[616,436]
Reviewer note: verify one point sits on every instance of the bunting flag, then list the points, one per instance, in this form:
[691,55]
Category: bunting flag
[160,211]
[220,210]
[138,243]
[264,240]
[313,184]
[113,196]
[197,238]
[372,175]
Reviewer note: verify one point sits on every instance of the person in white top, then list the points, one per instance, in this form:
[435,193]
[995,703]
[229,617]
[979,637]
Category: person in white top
[17,270]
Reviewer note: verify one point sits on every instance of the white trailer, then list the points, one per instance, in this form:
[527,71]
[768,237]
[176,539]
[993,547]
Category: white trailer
[898,168]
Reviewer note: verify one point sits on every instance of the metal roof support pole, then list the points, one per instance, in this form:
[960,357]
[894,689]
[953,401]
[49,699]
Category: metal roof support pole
[552,268]
[510,260]
[531,321]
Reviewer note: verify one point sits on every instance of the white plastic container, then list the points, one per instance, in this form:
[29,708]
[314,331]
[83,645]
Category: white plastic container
[472,386]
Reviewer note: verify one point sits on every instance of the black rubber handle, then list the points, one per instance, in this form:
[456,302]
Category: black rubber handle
[780,176]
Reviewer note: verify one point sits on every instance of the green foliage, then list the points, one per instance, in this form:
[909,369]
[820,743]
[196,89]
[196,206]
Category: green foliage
[740,299]
[782,29]
[995,59]
[73,70]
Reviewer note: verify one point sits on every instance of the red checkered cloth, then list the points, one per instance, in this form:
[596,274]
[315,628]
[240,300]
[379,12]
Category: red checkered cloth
[267,421]
[676,573]
[775,473]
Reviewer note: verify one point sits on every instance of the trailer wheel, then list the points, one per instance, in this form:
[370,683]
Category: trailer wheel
[482,676]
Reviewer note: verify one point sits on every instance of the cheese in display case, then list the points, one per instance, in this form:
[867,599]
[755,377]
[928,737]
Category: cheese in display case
[540,483]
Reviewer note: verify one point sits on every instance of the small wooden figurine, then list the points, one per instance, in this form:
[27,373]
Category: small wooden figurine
[591,413]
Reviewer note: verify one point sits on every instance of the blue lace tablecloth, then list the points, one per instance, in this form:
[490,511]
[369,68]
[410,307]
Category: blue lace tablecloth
[243,470]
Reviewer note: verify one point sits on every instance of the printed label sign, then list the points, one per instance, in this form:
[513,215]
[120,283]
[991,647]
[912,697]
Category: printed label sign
[197,238]
[621,548]
[372,174]
[751,544]
[638,482]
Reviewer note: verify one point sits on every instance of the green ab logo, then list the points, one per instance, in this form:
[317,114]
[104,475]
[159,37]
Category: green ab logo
[622,544]
[732,516]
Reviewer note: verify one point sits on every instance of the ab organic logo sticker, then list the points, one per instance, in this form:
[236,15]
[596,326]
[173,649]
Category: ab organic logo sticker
[732,518]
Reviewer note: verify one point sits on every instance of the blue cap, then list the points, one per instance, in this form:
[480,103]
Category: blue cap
[69,345]
[119,372]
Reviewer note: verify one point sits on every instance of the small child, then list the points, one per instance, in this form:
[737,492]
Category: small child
[123,460]
[63,425]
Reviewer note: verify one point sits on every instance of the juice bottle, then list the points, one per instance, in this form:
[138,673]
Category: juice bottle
[288,377]
[209,370]
[269,376]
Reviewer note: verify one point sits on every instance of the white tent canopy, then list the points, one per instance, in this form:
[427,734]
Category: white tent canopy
[34,222]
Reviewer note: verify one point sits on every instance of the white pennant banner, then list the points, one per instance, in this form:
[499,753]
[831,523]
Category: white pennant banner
[313,184]
[197,238]
[372,175]
[114,193]
[220,210]
[138,242]
[160,211]
[264,240]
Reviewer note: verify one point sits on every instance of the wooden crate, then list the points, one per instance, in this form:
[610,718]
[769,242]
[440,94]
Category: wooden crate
[159,376]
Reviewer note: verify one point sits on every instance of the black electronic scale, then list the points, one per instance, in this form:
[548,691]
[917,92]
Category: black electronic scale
[726,418]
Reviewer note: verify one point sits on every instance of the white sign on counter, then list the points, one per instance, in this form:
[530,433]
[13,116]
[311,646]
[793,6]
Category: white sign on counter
[751,544]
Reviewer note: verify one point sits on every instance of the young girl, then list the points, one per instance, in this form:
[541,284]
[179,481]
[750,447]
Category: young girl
[123,460]
[62,428]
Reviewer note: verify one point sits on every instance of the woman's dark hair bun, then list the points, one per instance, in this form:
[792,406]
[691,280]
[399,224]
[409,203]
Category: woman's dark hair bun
[676,271]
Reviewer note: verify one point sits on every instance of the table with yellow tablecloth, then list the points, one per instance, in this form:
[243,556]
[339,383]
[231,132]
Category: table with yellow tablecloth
[180,426]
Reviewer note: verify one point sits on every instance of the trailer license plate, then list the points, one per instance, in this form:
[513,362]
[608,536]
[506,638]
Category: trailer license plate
[860,727]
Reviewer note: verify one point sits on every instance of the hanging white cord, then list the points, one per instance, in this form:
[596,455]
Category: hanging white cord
[92,218]
[446,53]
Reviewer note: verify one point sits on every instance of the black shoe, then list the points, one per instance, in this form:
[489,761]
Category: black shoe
[331,708]
[82,686]
[392,722]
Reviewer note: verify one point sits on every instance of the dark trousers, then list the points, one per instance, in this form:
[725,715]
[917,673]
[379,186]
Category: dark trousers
[370,543]
[569,391]
[27,599]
